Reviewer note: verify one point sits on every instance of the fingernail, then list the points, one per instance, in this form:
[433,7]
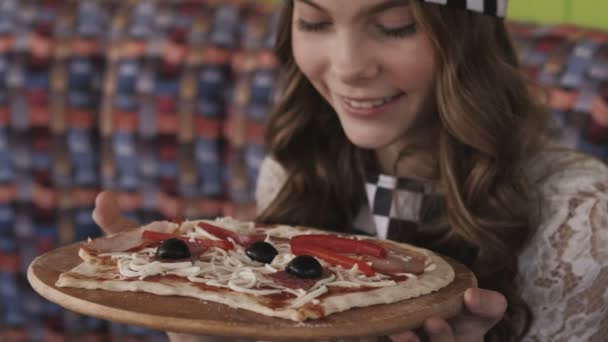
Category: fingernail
[471,298]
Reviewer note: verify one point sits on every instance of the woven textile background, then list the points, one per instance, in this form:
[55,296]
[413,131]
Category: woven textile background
[162,101]
[570,63]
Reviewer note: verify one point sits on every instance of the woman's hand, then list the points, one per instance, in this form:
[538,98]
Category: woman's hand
[484,308]
[107,214]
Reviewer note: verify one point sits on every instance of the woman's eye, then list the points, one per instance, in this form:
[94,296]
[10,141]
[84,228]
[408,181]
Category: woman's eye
[312,26]
[398,32]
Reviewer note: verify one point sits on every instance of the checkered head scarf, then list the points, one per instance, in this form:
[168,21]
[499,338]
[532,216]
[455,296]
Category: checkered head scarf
[496,8]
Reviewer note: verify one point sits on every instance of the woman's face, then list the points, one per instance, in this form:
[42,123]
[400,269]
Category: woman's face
[372,63]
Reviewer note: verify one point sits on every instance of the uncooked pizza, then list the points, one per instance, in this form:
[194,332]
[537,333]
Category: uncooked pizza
[290,272]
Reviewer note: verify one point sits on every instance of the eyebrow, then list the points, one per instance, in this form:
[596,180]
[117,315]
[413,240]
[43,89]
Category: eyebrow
[377,8]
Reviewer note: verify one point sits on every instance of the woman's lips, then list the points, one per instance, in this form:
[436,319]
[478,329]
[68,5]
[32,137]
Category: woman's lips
[369,108]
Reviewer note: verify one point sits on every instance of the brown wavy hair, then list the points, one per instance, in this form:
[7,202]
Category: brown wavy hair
[490,127]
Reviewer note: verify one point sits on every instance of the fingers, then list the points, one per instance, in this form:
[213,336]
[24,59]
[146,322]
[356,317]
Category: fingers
[485,308]
[485,303]
[107,214]
[405,337]
[439,330]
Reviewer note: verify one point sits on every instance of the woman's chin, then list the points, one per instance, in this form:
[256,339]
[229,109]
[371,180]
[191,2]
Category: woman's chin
[368,142]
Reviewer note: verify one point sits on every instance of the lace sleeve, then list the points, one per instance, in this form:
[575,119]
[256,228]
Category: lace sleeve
[270,181]
[564,269]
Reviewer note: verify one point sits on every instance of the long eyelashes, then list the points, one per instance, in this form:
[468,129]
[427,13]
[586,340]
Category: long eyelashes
[312,27]
[399,32]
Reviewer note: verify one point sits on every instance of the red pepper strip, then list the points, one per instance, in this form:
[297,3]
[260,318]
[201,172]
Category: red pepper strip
[341,244]
[219,232]
[332,258]
[223,244]
[157,236]
[223,233]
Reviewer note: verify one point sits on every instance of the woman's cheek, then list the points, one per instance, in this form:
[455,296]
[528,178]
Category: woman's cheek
[309,55]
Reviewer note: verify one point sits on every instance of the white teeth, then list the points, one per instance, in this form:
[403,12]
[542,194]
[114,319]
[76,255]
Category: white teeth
[368,104]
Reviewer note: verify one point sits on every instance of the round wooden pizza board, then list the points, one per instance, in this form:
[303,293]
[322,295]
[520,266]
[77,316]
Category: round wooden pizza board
[193,316]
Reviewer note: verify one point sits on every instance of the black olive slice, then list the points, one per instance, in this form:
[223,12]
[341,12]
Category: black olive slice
[173,249]
[261,251]
[305,266]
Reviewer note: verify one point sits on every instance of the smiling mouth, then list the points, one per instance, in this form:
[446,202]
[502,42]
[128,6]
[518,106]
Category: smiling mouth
[370,103]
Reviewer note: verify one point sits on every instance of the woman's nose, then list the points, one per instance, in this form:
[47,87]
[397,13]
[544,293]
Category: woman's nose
[351,63]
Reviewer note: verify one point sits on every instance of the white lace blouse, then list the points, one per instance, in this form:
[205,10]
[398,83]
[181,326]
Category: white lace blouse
[564,269]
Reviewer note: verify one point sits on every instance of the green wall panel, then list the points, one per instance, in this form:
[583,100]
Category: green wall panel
[591,13]
[545,11]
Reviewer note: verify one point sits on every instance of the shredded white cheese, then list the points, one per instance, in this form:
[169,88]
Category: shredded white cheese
[409,275]
[300,301]
[235,270]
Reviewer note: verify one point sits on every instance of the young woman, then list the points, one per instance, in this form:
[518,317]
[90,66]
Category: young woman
[410,120]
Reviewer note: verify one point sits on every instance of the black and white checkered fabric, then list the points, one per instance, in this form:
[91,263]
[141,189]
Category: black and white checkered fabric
[497,8]
[410,211]
[397,207]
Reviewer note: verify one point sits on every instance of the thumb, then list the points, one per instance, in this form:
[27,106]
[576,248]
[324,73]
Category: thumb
[107,214]
[484,309]
[490,305]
